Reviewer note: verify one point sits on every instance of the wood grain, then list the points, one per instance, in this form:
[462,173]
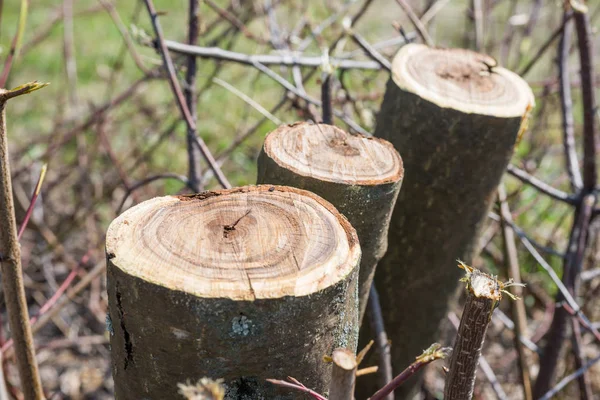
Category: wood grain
[242,284]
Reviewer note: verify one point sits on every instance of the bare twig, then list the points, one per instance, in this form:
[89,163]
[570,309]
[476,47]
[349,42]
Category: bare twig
[190,99]
[16,43]
[279,79]
[10,261]
[381,340]
[148,180]
[290,59]
[434,352]
[433,10]
[265,113]
[566,104]
[326,95]
[540,185]
[538,55]
[572,267]
[567,379]
[585,387]
[294,384]
[416,22]
[179,96]
[36,193]
[116,18]
[478,21]
[370,50]
[514,273]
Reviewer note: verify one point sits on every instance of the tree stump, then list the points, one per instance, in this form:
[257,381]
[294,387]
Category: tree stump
[455,117]
[242,284]
[359,175]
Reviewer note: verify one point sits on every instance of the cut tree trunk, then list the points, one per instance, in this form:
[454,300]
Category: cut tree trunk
[242,284]
[361,176]
[455,117]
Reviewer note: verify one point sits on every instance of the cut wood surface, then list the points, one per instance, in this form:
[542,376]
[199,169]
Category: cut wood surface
[359,175]
[343,375]
[455,117]
[242,284]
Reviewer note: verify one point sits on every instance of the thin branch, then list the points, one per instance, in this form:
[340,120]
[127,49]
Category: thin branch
[16,43]
[434,352]
[36,193]
[588,91]
[289,59]
[567,379]
[116,18]
[233,20]
[370,50]
[179,96]
[416,22]
[190,99]
[537,56]
[514,273]
[297,386]
[381,339]
[540,185]
[148,180]
[265,113]
[566,104]
[508,323]
[279,79]
[478,21]
[433,10]
[326,96]
[521,234]
[585,388]
[571,268]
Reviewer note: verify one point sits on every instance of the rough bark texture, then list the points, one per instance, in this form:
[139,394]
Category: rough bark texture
[360,176]
[268,312]
[456,139]
[482,298]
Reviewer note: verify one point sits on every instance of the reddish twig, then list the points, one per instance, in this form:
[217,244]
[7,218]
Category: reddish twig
[294,384]
[36,193]
[434,352]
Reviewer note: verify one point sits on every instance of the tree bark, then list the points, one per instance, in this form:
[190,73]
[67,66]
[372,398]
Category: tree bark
[242,284]
[360,176]
[483,295]
[454,116]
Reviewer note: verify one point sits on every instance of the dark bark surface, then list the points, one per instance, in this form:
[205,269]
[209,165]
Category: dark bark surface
[453,162]
[368,206]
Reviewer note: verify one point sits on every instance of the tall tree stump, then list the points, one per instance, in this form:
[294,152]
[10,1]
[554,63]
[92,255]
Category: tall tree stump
[454,116]
[242,284]
[359,175]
